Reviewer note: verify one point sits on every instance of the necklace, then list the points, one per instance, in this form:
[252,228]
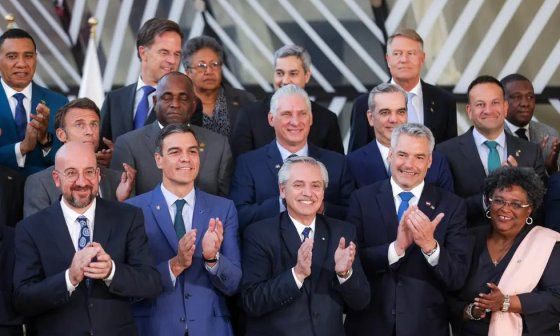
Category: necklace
[499,253]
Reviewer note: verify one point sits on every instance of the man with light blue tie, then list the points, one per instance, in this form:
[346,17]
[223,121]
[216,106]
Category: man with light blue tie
[486,146]
[194,240]
[26,125]
[412,243]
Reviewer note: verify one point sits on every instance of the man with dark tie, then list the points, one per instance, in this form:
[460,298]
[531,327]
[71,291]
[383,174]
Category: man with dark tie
[486,146]
[387,110]
[300,268]
[158,47]
[426,104]
[77,121]
[254,189]
[80,261]
[412,242]
[520,96]
[193,237]
[26,126]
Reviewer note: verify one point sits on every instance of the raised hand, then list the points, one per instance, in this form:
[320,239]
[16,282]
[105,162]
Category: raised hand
[404,235]
[126,185]
[80,261]
[101,266]
[104,156]
[423,228]
[40,122]
[213,238]
[344,257]
[186,248]
[304,257]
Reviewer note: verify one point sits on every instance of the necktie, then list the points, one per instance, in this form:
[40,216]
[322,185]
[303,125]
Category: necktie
[85,234]
[521,132]
[493,156]
[291,156]
[405,197]
[143,107]
[20,116]
[305,233]
[178,223]
[412,114]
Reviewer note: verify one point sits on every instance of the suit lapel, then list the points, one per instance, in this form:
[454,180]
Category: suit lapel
[200,133]
[290,236]
[387,206]
[163,220]
[201,216]
[59,229]
[320,247]
[151,134]
[372,156]
[428,201]
[430,114]
[105,186]
[513,148]
[273,158]
[103,223]
[127,101]
[470,153]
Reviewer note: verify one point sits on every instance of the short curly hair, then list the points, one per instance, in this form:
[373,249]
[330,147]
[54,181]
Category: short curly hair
[523,177]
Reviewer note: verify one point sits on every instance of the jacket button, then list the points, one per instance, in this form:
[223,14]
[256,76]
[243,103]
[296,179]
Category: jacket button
[182,319]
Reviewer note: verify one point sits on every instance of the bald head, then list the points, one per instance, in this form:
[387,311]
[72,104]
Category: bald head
[74,150]
[175,101]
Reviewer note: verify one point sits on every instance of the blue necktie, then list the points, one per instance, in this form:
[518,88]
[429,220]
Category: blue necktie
[143,108]
[20,116]
[305,233]
[405,197]
[178,223]
[493,156]
[85,234]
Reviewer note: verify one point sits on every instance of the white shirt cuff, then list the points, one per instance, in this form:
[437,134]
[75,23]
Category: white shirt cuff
[171,275]
[299,284]
[434,258]
[392,254]
[343,280]
[20,159]
[111,275]
[71,288]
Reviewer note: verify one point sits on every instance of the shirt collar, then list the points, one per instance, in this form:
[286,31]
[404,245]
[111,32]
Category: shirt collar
[70,215]
[416,191]
[417,89]
[141,84]
[383,150]
[299,226]
[479,139]
[284,153]
[513,128]
[170,198]
[10,91]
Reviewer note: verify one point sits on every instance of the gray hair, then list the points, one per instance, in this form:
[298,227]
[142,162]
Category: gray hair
[284,172]
[297,51]
[413,130]
[408,33]
[384,88]
[288,90]
[198,43]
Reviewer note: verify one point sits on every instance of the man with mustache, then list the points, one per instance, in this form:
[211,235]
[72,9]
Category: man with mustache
[81,260]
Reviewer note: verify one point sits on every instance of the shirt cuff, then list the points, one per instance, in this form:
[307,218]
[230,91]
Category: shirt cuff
[20,159]
[299,284]
[171,275]
[111,275]
[343,280]
[433,259]
[71,288]
[213,269]
[392,254]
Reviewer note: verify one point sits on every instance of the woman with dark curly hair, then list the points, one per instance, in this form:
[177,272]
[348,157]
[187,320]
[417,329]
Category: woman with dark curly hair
[513,287]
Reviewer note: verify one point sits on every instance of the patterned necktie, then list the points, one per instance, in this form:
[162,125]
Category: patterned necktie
[20,116]
[178,223]
[521,132]
[412,114]
[85,234]
[405,197]
[143,107]
[306,233]
[493,156]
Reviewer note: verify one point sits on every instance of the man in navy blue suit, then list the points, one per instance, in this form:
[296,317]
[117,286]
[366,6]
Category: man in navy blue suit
[193,237]
[254,189]
[26,128]
[299,267]
[412,242]
[387,110]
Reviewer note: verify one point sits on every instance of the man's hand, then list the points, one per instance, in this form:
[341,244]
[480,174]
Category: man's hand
[511,162]
[104,156]
[80,261]
[344,257]
[40,122]
[404,236]
[29,141]
[212,240]
[423,229]
[551,160]
[304,257]
[101,267]
[183,259]
[126,185]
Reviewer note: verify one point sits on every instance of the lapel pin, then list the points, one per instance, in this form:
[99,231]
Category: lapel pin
[517,153]
[431,109]
[201,147]
[322,238]
[430,205]
[157,207]
[277,166]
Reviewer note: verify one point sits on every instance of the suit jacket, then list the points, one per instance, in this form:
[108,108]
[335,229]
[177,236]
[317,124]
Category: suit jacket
[552,203]
[34,160]
[253,131]
[440,116]
[537,132]
[9,319]
[411,285]
[468,171]
[204,308]
[11,196]
[271,298]
[117,112]
[44,251]
[366,166]
[254,187]
[137,148]
[40,190]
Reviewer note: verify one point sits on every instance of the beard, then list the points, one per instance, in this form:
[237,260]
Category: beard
[83,202]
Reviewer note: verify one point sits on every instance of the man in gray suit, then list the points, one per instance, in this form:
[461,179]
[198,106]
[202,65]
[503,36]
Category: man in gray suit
[174,102]
[76,121]
[521,99]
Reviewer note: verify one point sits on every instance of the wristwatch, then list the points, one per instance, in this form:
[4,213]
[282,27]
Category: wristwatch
[432,251]
[215,259]
[505,305]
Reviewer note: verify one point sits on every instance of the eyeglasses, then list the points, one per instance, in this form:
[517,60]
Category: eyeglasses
[203,67]
[500,203]
[73,174]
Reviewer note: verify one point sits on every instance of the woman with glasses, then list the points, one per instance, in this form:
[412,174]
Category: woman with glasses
[203,59]
[513,287]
